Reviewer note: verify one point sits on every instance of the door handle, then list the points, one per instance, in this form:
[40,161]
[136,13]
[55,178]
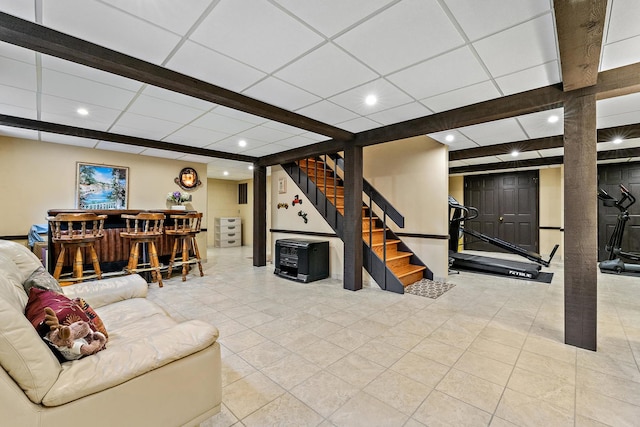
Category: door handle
[501,219]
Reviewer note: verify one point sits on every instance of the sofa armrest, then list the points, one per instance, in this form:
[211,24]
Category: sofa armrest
[107,291]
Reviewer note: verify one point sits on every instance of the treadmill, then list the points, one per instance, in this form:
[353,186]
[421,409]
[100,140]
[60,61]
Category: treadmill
[524,270]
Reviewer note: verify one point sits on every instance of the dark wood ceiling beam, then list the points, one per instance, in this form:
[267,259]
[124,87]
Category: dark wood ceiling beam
[325,147]
[545,98]
[580,26]
[38,125]
[51,42]
[618,82]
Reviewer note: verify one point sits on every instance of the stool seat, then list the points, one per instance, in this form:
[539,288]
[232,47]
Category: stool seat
[185,228]
[76,230]
[143,228]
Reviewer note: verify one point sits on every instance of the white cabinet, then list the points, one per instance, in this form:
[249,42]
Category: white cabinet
[228,232]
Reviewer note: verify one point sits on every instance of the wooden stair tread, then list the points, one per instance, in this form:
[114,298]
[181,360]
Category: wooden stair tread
[389,241]
[399,255]
[408,269]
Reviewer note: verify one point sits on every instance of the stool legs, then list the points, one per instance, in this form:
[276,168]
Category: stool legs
[78,263]
[59,263]
[186,241]
[154,262]
[153,259]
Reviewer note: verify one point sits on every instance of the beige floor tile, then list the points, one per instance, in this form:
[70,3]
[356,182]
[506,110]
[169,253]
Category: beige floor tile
[588,422]
[527,411]
[348,339]
[369,327]
[495,350]
[322,353]
[401,339]
[547,365]
[324,392]
[499,422]
[249,394]
[380,352]
[489,369]
[555,349]
[264,354]
[618,388]
[296,340]
[242,340]
[470,389]
[223,419]
[286,410]
[454,334]
[426,371]
[356,370]
[364,410]
[438,351]
[442,410]
[233,368]
[321,328]
[504,336]
[542,386]
[290,371]
[606,409]
[413,423]
[398,391]
[608,365]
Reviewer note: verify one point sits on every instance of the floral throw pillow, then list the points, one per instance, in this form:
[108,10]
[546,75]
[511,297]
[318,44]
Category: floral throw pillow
[94,319]
[67,311]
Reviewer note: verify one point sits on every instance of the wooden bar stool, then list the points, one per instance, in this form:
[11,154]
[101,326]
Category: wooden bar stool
[185,229]
[144,228]
[76,231]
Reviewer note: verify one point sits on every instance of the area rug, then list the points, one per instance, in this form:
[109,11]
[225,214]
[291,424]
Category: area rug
[428,288]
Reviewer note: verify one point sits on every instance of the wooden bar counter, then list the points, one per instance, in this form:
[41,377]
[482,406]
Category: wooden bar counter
[113,251]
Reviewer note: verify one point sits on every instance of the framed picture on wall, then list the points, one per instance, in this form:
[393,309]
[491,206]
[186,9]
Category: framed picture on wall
[101,186]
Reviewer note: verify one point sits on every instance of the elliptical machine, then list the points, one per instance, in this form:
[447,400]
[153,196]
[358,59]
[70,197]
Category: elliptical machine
[615,263]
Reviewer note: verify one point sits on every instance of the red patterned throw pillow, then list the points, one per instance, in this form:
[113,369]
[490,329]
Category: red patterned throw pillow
[67,311]
[94,319]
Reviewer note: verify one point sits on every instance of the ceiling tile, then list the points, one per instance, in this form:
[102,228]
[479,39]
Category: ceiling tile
[481,18]
[618,120]
[531,78]
[109,27]
[195,158]
[358,125]
[524,46]
[12,110]
[621,53]
[18,74]
[453,70]
[219,123]
[297,141]
[497,132]
[327,112]
[387,95]
[202,63]
[266,134]
[258,34]
[88,73]
[265,150]
[276,92]
[143,126]
[178,98]
[291,130]
[154,152]
[161,109]
[239,115]
[194,136]
[18,133]
[409,111]
[123,148]
[459,141]
[21,9]
[483,160]
[63,111]
[525,155]
[623,160]
[623,21]
[17,97]
[332,16]
[67,140]
[326,72]
[82,90]
[461,97]
[457,163]
[17,53]
[231,144]
[377,40]
[618,105]
[623,145]
[537,125]
[172,15]
[552,152]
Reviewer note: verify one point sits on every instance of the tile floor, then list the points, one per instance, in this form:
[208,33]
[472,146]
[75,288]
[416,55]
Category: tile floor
[489,352]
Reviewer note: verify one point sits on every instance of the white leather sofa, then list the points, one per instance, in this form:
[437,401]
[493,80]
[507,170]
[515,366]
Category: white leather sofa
[154,371]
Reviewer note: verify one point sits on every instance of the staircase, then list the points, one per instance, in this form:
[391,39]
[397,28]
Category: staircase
[385,257]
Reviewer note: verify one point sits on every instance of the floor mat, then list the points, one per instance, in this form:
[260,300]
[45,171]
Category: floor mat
[428,288]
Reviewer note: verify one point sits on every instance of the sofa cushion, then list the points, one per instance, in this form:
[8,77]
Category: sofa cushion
[67,311]
[25,260]
[41,279]
[24,355]
[11,283]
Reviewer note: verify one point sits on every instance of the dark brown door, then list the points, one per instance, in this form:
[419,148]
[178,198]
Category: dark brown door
[507,209]
[609,179]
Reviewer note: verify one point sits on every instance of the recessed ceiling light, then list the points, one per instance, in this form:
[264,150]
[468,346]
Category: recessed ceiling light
[617,140]
[449,138]
[225,173]
[514,153]
[82,111]
[371,100]
[553,119]
[242,143]
[250,167]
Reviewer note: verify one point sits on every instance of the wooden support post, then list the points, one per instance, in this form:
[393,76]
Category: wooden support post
[580,222]
[352,237]
[259,216]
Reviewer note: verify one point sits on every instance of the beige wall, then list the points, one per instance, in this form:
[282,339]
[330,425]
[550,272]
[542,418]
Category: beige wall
[551,207]
[37,176]
[413,175]
[222,202]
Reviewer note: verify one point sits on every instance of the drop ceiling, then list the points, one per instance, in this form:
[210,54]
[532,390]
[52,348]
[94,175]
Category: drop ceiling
[318,59]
